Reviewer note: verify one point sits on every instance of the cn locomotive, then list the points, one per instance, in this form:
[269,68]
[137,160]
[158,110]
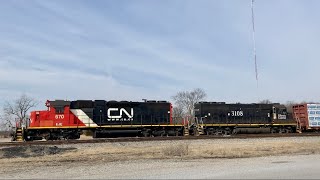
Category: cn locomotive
[68,119]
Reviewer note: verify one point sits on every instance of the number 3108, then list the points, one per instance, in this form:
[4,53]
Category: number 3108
[236,113]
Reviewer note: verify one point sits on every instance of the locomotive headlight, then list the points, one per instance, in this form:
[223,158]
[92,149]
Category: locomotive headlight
[209,114]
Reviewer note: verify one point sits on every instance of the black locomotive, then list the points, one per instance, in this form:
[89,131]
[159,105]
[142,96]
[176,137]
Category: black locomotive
[222,118]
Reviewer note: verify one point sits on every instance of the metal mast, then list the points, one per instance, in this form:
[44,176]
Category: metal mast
[254,42]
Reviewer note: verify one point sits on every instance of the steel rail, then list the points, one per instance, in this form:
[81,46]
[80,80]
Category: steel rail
[169,138]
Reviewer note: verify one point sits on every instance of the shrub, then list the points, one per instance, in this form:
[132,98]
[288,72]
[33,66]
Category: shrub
[176,150]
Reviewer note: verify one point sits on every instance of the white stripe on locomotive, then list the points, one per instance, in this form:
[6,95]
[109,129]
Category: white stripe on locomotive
[83,117]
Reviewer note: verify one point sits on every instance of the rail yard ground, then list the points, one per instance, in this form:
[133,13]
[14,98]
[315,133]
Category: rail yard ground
[205,158]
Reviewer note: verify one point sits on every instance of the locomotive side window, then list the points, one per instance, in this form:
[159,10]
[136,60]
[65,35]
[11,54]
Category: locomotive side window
[59,110]
[284,111]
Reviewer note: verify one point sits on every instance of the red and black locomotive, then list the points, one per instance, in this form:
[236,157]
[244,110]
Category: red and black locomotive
[67,119]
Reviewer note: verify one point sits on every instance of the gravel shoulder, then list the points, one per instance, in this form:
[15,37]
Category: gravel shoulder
[123,160]
[5,140]
[271,167]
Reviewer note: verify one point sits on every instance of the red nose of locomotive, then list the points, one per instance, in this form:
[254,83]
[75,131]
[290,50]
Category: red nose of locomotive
[38,116]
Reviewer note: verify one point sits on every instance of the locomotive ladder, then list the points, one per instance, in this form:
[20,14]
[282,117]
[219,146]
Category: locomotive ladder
[186,130]
[298,128]
[19,134]
[200,129]
[186,126]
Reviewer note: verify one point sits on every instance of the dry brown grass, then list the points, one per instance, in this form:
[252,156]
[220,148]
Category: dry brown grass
[256,150]
[186,150]
[178,150]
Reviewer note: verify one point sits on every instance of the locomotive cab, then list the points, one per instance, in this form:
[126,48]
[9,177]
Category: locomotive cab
[279,112]
[57,122]
[281,116]
[56,114]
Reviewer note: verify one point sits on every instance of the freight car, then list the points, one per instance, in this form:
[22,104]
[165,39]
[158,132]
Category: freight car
[216,118]
[307,116]
[67,119]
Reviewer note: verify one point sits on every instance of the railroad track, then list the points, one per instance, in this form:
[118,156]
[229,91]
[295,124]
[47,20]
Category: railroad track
[137,139]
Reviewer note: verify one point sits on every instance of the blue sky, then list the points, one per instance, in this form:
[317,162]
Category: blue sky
[129,50]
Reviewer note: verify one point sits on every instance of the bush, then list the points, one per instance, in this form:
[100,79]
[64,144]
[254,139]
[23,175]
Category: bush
[4,134]
[176,150]
[87,132]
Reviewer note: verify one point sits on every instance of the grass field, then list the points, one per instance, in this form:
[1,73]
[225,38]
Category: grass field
[196,149]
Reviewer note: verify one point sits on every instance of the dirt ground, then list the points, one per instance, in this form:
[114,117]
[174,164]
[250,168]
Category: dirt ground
[21,159]
[5,140]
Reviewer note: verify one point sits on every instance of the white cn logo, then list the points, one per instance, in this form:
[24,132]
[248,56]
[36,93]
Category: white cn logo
[121,112]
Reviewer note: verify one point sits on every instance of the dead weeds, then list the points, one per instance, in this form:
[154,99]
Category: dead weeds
[109,152]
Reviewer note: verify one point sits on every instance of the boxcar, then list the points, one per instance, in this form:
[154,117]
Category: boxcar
[307,116]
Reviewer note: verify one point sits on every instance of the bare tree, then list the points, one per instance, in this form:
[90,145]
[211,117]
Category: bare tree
[185,100]
[308,102]
[7,121]
[177,111]
[289,105]
[265,101]
[17,111]
[177,114]
[3,125]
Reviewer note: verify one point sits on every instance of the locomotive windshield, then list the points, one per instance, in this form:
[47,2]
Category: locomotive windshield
[282,111]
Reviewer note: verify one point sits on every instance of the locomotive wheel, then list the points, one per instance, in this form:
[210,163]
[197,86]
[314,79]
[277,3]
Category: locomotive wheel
[145,134]
[210,131]
[177,133]
[273,130]
[223,132]
[217,132]
[162,134]
[282,130]
[94,134]
[288,130]
[234,131]
[48,137]
[227,131]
